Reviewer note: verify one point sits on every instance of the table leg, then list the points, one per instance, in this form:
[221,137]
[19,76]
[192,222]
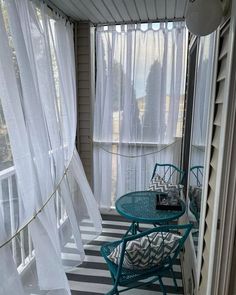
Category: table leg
[134,228]
[129,230]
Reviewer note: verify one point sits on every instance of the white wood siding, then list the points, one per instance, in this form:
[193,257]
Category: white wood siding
[84,94]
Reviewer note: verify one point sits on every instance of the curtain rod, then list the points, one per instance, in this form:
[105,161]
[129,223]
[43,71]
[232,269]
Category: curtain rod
[159,20]
[57,10]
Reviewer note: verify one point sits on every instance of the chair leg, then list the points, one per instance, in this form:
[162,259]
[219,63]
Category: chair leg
[114,290]
[162,286]
[174,278]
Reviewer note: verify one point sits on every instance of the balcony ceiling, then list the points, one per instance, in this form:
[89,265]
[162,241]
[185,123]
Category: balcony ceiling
[122,11]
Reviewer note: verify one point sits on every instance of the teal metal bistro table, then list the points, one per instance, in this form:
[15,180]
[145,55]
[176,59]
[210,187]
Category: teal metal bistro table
[140,207]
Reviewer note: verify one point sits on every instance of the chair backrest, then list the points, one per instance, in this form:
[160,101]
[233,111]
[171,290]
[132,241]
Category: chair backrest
[169,173]
[154,248]
[196,175]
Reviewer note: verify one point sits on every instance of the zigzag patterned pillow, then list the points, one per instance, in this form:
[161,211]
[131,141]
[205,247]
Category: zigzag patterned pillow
[146,252]
[158,184]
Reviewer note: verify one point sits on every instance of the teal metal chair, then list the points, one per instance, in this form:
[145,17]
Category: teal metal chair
[195,191]
[169,173]
[197,175]
[154,271]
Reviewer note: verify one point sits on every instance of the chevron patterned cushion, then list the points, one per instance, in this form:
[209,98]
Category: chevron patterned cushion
[158,184]
[146,252]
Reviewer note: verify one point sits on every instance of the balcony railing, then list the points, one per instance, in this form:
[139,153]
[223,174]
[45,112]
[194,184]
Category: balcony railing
[21,246]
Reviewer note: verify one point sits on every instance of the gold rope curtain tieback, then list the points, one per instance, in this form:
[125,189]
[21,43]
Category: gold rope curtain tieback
[40,209]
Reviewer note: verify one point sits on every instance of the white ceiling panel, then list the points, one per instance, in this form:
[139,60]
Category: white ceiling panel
[100,6]
[69,9]
[181,8]
[161,9]
[151,9]
[88,15]
[122,11]
[132,10]
[98,13]
[170,10]
[114,11]
[142,10]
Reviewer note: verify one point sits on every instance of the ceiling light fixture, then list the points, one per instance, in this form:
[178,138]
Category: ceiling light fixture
[203,16]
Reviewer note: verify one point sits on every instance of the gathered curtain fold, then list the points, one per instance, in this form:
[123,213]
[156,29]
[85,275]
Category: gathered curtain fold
[38,96]
[139,104]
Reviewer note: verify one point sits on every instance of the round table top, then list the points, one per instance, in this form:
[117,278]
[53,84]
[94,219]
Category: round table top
[140,206]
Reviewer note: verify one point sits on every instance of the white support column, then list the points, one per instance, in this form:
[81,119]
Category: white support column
[12,215]
[22,247]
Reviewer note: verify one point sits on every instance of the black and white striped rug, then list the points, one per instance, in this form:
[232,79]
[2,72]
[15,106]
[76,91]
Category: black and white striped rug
[92,277]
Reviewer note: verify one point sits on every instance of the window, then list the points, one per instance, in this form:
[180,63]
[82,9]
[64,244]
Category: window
[139,104]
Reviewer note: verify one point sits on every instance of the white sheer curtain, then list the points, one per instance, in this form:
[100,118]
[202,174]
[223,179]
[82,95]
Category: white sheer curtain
[38,96]
[139,103]
[203,92]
